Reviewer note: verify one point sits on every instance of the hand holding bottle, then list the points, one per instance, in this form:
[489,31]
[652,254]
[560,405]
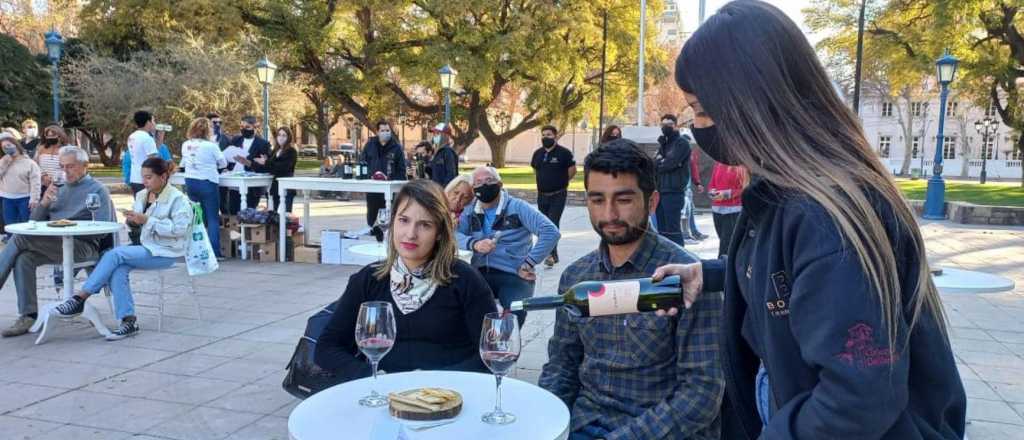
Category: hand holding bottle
[692,278]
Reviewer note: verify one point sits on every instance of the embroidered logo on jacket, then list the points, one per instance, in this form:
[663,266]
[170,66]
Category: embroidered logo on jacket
[778,307]
[861,350]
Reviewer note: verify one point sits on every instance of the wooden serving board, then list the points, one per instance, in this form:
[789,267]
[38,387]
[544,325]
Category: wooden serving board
[443,411]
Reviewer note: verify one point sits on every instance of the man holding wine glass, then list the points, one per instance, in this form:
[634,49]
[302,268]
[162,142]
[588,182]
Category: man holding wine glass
[68,201]
[623,374]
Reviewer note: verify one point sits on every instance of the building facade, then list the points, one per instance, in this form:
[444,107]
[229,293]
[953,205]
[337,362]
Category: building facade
[964,149]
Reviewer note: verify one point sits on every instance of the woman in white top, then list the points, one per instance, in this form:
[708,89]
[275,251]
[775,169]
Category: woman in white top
[48,154]
[202,160]
[165,216]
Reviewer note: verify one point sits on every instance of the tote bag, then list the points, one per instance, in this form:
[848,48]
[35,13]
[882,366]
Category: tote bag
[199,256]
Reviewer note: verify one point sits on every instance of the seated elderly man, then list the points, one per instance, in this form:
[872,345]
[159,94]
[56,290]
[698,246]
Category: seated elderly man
[24,254]
[499,229]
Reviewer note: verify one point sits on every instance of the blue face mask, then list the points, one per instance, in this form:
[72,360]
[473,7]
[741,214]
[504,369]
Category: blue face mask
[437,139]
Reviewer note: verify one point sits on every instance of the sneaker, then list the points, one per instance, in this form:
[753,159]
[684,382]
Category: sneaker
[19,327]
[72,307]
[128,328]
[549,262]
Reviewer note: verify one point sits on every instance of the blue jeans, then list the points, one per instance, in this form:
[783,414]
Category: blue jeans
[15,210]
[207,194]
[112,270]
[689,212]
[669,214]
[508,287]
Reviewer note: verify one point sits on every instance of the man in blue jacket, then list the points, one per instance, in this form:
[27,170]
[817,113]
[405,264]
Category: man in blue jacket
[673,166]
[253,146]
[499,229]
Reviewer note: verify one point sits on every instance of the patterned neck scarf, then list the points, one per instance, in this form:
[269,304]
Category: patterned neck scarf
[410,288]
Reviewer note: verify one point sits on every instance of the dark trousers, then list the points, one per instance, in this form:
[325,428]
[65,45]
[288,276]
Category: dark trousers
[508,287]
[374,203]
[225,200]
[552,206]
[725,225]
[252,199]
[289,199]
[669,216]
[136,187]
[207,194]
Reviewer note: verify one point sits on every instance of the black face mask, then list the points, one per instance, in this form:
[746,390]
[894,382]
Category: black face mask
[487,192]
[709,142]
[667,131]
[52,141]
[547,142]
[248,133]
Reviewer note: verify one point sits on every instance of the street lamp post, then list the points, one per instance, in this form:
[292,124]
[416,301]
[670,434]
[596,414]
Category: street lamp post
[986,128]
[54,47]
[448,75]
[935,203]
[265,71]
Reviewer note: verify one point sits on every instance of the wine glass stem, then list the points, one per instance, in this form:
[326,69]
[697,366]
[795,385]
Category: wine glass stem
[497,389]
[374,390]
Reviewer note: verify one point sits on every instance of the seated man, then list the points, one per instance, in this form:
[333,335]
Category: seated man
[24,254]
[499,229]
[638,376]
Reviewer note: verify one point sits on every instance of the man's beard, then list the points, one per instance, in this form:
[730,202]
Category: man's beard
[631,234]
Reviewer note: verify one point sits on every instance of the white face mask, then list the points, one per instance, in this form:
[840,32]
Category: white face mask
[32,132]
[437,139]
[281,140]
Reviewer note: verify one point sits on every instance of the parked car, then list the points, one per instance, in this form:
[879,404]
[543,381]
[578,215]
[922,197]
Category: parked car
[309,150]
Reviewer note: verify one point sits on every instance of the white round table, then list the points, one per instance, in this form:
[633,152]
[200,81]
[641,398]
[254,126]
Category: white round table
[378,250]
[67,235]
[969,281]
[335,412]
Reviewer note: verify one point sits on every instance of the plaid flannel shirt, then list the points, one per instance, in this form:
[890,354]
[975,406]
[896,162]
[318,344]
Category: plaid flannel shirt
[638,376]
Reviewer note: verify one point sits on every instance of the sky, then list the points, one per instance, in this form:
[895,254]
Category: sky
[790,7]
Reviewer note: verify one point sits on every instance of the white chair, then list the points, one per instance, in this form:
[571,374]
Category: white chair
[166,280]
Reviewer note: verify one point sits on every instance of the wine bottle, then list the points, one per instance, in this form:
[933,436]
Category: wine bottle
[600,298]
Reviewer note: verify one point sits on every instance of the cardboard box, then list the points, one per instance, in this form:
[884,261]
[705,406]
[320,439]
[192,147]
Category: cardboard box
[257,234]
[264,253]
[228,247]
[307,254]
[229,221]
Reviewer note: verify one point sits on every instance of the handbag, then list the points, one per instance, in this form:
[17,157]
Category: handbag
[304,377]
[199,256]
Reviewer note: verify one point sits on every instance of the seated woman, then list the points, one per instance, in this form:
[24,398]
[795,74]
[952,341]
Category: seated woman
[439,302]
[165,216]
[459,193]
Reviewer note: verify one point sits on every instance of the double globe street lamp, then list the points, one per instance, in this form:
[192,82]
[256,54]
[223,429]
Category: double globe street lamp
[986,128]
[448,75]
[935,200]
[54,47]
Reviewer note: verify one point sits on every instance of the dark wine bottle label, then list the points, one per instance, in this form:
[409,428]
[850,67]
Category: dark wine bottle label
[614,298]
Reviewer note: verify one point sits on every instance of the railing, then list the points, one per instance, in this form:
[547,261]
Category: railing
[1013,164]
[974,163]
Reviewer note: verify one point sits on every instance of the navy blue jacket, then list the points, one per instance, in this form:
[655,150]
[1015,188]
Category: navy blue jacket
[388,159]
[797,299]
[444,166]
[259,147]
[673,162]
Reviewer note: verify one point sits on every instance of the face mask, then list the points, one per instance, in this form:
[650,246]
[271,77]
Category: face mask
[487,192]
[437,140]
[52,141]
[667,131]
[281,140]
[547,142]
[216,128]
[10,150]
[248,133]
[709,142]
[32,132]
[384,137]
[613,137]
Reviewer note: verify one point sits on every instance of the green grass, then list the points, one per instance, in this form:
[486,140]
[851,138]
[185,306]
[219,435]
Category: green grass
[991,193]
[523,177]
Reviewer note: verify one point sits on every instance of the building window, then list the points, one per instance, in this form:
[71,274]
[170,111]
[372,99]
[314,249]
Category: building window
[949,147]
[915,148]
[884,143]
[987,148]
[886,109]
[951,107]
[918,108]
[991,110]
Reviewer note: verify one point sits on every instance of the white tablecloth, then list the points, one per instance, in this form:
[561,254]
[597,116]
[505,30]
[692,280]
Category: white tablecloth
[335,413]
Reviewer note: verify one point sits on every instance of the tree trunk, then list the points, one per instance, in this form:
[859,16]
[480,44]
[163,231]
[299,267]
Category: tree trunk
[908,132]
[498,149]
[1020,157]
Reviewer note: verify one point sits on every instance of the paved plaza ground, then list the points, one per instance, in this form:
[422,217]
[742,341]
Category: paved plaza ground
[220,378]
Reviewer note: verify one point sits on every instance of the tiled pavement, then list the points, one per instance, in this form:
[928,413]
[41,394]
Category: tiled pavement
[219,378]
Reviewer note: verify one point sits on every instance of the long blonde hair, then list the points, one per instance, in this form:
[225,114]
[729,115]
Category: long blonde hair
[779,115]
[427,194]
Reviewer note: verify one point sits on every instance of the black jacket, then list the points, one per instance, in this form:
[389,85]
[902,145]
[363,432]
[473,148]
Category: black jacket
[444,166]
[388,159]
[259,147]
[673,162]
[278,166]
[797,299]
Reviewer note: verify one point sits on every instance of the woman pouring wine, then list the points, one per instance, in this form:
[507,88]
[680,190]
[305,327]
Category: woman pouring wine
[438,301]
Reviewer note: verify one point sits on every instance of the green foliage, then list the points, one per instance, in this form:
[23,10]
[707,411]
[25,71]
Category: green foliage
[24,84]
